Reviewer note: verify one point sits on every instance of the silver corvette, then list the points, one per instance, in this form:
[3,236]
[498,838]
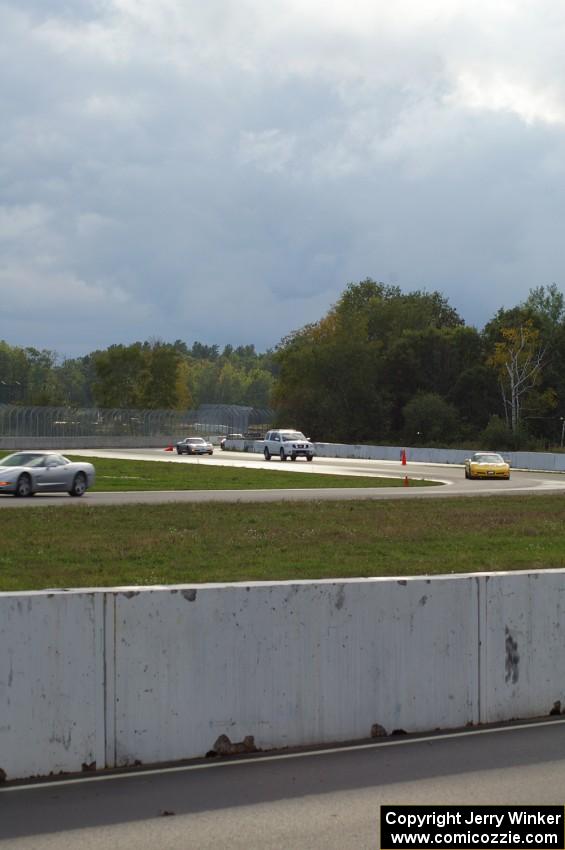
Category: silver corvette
[27,473]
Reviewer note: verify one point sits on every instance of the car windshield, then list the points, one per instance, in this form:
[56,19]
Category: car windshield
[487,458]
[195,440]
[23,459]
[293,435]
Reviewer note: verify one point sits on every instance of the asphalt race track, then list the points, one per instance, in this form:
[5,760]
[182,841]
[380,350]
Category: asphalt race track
[451,476]
[328,800]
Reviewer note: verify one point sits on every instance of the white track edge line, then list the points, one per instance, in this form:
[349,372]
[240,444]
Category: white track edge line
[278,757]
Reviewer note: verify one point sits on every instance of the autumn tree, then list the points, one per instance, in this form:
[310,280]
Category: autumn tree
[518,358]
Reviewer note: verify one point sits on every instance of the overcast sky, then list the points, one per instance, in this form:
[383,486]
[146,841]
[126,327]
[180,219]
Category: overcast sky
[219,170]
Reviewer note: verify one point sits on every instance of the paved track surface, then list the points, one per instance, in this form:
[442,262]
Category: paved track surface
[452,477]
[328,801]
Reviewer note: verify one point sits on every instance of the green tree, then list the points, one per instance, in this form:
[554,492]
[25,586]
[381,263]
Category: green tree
[160,377]
[259,388]
[348,376]
[428,419]
[329,380]
[42,387]
[120,373]
[548,304]
[231,384]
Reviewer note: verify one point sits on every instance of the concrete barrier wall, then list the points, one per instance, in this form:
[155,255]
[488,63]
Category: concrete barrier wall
[543,461]
[69,443]
[51,682]
[524,625]
[157,674]
[291,664]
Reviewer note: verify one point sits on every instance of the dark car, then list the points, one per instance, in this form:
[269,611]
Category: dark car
[194,446]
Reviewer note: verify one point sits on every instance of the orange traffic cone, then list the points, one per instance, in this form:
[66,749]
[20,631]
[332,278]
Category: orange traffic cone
[169,449]
[406,482]
[403,457]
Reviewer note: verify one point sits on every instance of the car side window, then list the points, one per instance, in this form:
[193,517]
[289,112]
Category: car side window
[276,437]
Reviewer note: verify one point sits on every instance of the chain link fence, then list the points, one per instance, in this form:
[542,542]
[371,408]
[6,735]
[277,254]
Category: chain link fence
[65,422]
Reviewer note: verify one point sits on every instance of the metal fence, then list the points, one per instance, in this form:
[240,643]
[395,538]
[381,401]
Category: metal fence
[207,420]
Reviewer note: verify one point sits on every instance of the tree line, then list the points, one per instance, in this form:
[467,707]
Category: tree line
[382,366]
[385,366]
[146,375]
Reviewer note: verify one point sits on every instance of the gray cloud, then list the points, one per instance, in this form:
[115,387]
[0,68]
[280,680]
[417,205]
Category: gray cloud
[221,171]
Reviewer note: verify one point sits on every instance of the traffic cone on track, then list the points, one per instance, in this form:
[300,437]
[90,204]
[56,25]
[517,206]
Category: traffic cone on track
[403,457]
[169,449]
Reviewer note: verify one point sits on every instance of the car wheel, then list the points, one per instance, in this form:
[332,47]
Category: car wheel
[23,487]
[179,452]
[283,456]
[466,472]
[267,453]
[79,485]
[293,457]
[310,457]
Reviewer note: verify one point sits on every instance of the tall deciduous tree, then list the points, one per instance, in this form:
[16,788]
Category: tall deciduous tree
[119,376]
[548,303]
[519,360]
[348,376]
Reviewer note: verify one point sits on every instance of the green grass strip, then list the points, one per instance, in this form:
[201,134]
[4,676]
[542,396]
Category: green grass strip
[167,544]
[130,475]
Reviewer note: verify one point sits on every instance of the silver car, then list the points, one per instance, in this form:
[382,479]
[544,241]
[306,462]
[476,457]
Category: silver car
[194,446]
[27,473]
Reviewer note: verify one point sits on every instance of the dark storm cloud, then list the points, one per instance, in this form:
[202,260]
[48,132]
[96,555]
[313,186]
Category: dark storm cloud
[221,171]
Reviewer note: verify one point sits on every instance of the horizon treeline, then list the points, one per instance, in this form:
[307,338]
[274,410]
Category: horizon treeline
[382,366]
[145,375]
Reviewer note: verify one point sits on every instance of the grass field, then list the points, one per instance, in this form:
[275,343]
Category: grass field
[127,475]
[175,543]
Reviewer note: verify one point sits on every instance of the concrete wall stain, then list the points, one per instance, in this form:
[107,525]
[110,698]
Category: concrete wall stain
[512,671]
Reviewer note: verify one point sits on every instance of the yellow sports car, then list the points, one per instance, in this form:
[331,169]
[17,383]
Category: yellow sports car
[486,465]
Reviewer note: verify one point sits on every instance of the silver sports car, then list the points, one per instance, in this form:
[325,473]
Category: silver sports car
[195,446]
[27,473]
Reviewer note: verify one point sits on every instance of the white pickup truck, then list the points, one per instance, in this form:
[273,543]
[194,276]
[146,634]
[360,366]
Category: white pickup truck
[285,444]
